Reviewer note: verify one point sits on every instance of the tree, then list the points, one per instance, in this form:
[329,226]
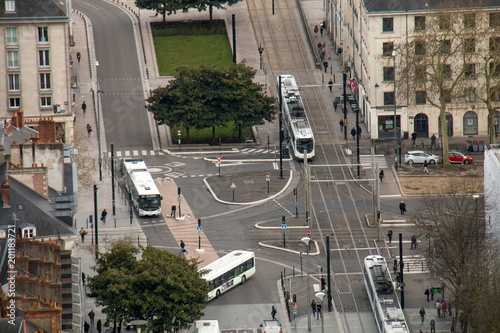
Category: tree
[432,63]
[162,7]
[162,288]
[208,97]
[202,5]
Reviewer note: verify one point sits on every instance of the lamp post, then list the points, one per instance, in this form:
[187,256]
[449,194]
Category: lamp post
[261,49]
[395,126]
[321,295]
[306,240]
[98,119]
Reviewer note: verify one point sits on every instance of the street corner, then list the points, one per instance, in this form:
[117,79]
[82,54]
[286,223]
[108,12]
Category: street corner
[248,187]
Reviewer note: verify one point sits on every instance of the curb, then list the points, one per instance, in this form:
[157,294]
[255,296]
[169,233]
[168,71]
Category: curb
[292,251]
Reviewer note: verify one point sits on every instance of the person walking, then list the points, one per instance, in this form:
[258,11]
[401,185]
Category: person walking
[432,293]
[323,282]
[325,64]
[103,215]
[444,307]
[321,31]
[413,242]
[183,247]
[359,131]
[438,308]
[389,235]
[433,141]
[341,123]
[318,310]
[427,293]
[82,234]
[381,175]
[99,326]
[402,207]
[313,307]
[353,133]
[433,325]
[426,169]
[448,305]
[78,56]
[413,137]
[86,327]
[83,278]
[422,314]
[84,107]
[92,316]
[329,54]
[273,313]
[316,31]
[335,104]
[330,84]
[89,129]
[173,210]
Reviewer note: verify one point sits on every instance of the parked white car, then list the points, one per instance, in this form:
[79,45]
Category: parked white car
[420,156]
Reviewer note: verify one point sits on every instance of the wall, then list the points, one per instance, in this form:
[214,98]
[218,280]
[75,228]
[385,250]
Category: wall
[492,190]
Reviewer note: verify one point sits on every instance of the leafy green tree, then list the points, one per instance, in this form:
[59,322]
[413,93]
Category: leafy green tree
[208,97]
[202,5]
[162,7]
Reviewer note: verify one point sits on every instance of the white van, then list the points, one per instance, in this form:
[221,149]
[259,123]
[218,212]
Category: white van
[207,326]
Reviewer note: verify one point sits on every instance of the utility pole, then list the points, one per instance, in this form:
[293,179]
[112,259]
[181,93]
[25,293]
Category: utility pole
[329,292]
[401,269]
[113,181]
[281,126]
[96,223]
[234,38]
[344,76]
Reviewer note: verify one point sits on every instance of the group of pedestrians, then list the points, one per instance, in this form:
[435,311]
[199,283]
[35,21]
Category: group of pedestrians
[316,309]
[86,325]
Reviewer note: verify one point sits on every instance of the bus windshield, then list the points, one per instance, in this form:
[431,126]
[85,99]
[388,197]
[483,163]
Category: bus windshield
[149,203]
[303,144]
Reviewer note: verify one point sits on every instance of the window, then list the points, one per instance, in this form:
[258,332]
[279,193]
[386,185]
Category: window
[470,21]
[419,23]
[470,95]
[387,49]
[43,34]
[44,59]
[15,102]
[470,45]
[28,232]
[388,73]
[387,24]
[419,48]
[470,123]
[494,44]
[444,22]
[45,81]
[446,72]
[494,20]
[494,69]
[447,96]
[14,82]
[11,34]
[470,70]
[420,74]
[495,94]
[10,6]
[12,59]
[389,98]
[420,97]
[446,46]
[45,101]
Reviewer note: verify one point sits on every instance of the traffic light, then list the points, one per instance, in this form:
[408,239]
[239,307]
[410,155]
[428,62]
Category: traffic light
[283,220]
[294,298]
[427,236]
[378,215]
[178,191]
[199,222]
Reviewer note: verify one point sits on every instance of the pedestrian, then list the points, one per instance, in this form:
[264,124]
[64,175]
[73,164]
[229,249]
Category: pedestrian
[321,31]
[402,207]
[323,282]
[427,293]
[330,85]
[325,64]
[321,55]
[426,167]
[329,54]
[339,51]
[381,175]
[438,308]
[273,313]
[448,305]
[389,235]
[398,276]
[432,293]
[359,131]
[84,107]
[353,133]
[91,316]
[313,307]
[89,129]
[78,56]
[422,314]
[323,45]
[183,247]
[413,137]
[316,29]
[413,242]
[83,278]
[335,104]
[444,307]
[99,326]
[323,52]
[172,211]
[318,310]
[86,327]
[103,216]
[433,141]
[82,234]
[319,47]
[433,325]
[341,123]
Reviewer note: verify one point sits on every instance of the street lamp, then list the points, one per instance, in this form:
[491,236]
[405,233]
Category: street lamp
[321,295]
[261,49]
[306,240]
[395,121]
[98,119]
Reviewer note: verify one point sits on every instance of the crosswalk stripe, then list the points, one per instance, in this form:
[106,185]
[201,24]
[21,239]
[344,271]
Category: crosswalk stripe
[377,159]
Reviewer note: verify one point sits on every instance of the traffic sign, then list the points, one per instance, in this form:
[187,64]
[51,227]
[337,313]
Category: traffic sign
[268,176]
[283,226]
[295,307]
[308,233]
[233,185]
[295,312]
[178,132]
[198,229]
[219,159]
[179,199]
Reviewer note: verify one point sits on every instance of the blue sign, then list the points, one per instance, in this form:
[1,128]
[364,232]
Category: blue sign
[198,229]
[283,226]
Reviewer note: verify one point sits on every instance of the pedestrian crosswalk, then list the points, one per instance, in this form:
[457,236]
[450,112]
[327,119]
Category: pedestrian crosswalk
[377,159]
[258,151]
[134,153]
[415,264]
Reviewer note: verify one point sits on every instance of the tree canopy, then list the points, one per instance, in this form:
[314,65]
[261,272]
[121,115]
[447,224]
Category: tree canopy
[162,288]
[208,97]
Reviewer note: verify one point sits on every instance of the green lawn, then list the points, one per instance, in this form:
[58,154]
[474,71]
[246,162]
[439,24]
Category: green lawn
[227,134]
[174,51]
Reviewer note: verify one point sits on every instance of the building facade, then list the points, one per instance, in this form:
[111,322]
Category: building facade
[35,39]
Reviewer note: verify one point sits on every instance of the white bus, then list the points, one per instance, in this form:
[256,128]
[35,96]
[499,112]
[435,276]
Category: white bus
[229,271]
[144,194]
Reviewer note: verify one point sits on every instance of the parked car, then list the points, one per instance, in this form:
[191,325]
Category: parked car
[420,156]
[458,157]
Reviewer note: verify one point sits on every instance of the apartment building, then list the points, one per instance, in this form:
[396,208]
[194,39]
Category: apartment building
[35,38]
[368,31]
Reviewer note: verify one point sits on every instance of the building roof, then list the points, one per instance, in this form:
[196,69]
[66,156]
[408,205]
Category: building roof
[35,9]
[375,6]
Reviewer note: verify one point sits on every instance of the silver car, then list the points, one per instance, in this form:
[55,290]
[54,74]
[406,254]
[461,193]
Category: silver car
[420,156]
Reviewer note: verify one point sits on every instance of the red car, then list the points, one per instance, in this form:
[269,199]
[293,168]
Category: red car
[457,157]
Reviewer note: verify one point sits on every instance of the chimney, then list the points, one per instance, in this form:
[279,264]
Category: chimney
[47,130]
[6,193]
[18,119]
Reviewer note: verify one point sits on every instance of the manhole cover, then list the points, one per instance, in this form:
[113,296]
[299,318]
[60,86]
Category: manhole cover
[248,181]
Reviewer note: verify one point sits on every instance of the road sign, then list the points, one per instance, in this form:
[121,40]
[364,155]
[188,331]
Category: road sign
[283,226]
[178,132]
[198,229]
[294,312]
[295,307]
[268,176]
[179,199]
[233,185]
[308,233]
[219,159]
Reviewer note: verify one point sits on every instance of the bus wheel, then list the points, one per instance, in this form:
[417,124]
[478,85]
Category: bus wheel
[217,294]
[243,279]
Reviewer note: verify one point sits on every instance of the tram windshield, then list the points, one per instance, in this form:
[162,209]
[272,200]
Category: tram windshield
[149,203]
[303,144]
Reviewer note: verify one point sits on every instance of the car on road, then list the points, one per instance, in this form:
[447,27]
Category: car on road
[458,157]
[420,156]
